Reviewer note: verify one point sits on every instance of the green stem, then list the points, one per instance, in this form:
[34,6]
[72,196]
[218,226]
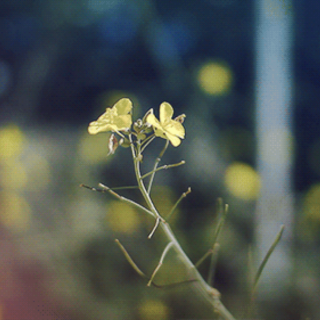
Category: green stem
[165,167]
[124,199]
[156,165]
[213,263]
[177,203]
[146,142]
[164,253]
[130,260]
[265,260]
[210,294]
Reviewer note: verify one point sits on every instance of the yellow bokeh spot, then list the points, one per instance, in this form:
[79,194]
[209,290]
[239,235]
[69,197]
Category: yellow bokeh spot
[122,217]
[311,206]
[93,149]
[153,310]
[15,212]
[242,181]
[215,78]
[13,175]
[11,142]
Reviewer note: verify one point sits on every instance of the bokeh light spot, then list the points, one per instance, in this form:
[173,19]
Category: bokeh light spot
[93,149]
[215,78]
[15,212]
[122,217]
[311,206]
[153,309]
[242,181]
[11,142]
[13,175]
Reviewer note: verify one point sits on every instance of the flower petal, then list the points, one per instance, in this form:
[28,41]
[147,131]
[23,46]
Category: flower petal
[175,141]
[123,106]
[159,132]
[123,122]
[176,128]
[166,113]
[96,127]
[153,120]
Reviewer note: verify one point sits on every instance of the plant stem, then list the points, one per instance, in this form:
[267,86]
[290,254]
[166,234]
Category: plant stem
[156,165]
[210,294]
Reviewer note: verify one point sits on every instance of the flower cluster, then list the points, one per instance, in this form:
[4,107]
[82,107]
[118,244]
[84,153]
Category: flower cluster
[118,119]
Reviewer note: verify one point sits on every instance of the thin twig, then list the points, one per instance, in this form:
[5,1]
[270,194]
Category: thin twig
[106,189]
[177,203]
[203,258]
[143,275]
[146,142]
[129,259]
[165,251]
[223,211]
[165,167]
[156,165]
[156,225]
[265,260]
[213,262]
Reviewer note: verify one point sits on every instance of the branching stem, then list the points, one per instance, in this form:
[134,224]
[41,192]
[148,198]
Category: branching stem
[165,167]
[210,294]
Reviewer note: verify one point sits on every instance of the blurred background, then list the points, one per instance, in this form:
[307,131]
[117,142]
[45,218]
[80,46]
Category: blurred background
[246,74]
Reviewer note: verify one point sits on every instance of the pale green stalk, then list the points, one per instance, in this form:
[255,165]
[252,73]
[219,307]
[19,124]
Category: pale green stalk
[210,294]
[156,165]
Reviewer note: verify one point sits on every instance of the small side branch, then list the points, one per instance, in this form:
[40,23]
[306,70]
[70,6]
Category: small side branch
[156,225]
[165,251]
[129,259]
[177,203]
[165,167]
[223,211]
[142,274]
[146,142]
[265,260]
[156,165]
[105,189]
[213,262]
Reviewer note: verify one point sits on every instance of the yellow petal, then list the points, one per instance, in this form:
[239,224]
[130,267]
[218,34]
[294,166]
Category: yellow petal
[159,132]
[175,128]
[96,127]
[123,122]
[153,120]
[123,106]
[166,113]
[175,141]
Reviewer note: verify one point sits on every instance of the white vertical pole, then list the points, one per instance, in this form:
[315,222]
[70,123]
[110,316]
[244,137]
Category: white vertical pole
[274,141]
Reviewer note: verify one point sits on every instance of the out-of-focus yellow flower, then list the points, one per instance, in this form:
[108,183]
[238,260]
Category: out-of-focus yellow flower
[117,118]
[167,128]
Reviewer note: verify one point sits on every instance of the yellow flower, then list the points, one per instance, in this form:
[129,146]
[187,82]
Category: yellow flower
[167,128]
[117,118]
